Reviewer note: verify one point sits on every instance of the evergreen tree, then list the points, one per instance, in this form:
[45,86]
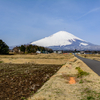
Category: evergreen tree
[22,48]
[4,49]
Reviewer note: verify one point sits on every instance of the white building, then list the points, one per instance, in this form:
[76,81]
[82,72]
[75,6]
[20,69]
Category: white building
[38,51]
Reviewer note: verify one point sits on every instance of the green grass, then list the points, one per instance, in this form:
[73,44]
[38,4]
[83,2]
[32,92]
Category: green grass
[81,81]
[1,61]
[90,94]
[81,73]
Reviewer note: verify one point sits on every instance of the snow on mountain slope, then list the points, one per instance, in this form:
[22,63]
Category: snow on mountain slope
[84,44]
[60,38]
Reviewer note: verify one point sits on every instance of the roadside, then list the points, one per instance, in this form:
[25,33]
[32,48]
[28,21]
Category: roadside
[93,64]
[90,56]
[74,81]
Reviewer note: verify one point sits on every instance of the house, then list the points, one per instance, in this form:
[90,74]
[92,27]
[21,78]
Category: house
[16,50]
[82,52]
[46,52]
[38,51]
[54,51]
[59,52]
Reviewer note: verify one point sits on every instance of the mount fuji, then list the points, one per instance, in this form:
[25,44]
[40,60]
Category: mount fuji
[63,40]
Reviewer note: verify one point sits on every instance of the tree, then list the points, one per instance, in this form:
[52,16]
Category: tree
[22,48]
[4,49]
[30,49]
[75,50]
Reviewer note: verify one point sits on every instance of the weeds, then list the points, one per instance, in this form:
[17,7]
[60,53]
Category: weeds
[90,95]
[81,73]
[90,98]
[81,81]
[1,61]
[23,98]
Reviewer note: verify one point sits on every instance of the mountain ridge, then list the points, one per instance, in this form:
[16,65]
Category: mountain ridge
[63,40]
[60,38]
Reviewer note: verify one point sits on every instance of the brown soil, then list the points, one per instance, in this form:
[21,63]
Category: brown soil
[19,81]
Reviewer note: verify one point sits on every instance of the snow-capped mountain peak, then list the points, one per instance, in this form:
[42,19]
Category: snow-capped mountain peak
[63,40]
[60,38]
[65,35]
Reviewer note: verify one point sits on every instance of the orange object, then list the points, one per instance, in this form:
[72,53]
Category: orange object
[72,80]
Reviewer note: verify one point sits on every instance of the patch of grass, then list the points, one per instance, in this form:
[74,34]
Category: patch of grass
[23,98]
[90,95]
[1,61]
[75,60]
[87,81]
[81,81]
[81,73]
[94,58]
[90,98]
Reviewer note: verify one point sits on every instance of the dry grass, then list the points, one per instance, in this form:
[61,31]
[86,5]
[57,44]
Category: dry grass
[91,56]
[36,59]
[58,87]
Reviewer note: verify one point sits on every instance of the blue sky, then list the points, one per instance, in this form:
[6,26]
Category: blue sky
[24,21]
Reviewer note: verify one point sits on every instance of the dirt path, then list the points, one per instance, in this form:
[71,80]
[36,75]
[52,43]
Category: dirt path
[68,84]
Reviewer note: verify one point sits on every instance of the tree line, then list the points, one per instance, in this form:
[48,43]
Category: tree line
[34,49]
[4,49]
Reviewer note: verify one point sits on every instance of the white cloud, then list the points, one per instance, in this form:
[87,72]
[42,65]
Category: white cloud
[91,11]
